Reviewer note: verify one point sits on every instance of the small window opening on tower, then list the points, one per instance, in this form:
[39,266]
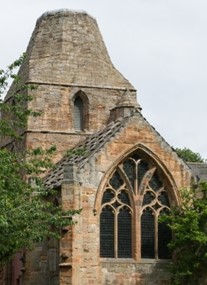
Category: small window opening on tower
[78,114]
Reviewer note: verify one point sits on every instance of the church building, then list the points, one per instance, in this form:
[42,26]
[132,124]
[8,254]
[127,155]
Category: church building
[123,174]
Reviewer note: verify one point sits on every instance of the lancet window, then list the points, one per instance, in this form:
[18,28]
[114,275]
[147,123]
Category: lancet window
[80,111]
[78,114]
[135,195]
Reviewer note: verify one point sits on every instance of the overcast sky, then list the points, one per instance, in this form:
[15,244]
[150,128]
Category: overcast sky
[160,46]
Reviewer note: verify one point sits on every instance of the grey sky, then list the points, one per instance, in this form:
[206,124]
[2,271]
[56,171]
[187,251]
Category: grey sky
[159,45]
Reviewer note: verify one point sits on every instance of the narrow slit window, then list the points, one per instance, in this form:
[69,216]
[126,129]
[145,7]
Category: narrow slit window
[78,114]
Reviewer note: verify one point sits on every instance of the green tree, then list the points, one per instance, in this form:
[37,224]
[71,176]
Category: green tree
[28,211]
[188,223]
[188,155]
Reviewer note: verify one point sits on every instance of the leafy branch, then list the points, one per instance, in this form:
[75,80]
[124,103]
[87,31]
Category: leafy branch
[29,212]
[188,223]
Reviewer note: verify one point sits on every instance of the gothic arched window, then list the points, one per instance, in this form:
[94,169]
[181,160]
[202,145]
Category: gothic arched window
[78,114]
[135,196]
[116,222]
[80,111]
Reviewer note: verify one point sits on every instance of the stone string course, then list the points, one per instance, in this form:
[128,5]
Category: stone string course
[66,54]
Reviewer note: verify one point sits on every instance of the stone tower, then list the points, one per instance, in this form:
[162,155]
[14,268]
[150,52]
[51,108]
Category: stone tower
[125,179]
[77,84]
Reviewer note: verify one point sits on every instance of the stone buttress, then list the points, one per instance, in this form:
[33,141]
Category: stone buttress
[87,105]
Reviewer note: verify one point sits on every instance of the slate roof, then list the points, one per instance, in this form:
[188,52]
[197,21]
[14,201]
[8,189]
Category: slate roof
[82,152]
[86,149]
[199,170]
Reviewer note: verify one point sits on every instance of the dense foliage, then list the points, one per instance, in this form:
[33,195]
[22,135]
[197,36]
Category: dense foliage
[28,212]
[189,245]
[188,155]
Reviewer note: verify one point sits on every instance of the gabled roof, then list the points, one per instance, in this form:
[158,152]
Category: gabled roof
[80,154]
[199,170]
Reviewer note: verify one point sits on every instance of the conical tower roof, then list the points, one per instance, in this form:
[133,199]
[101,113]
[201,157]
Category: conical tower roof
[67,48]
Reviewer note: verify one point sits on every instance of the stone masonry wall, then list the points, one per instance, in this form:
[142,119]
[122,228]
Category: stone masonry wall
[42,264]
[70,46]
[55,124]
[87,267]
[66,54]
[127,272]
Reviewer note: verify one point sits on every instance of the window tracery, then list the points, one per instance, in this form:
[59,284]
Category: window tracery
[134,197]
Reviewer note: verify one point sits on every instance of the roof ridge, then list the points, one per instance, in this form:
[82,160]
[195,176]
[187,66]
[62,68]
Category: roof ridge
[85,149]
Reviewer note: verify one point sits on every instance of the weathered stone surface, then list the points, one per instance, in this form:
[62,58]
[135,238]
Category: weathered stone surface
[67,48]
[66,55]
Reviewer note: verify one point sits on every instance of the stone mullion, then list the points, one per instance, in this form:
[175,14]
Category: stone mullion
[156,234]
[137,217]
[115,234]
[136,230]
[136,179]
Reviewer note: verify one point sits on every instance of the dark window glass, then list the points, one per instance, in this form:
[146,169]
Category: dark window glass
[116,219]
[129,168]
[107,233]
[148,234]
[142,169]
[156,206]
[116,181]
[124,234]
[136,156]
[107,196]
[155,182]
[78,114]
[124,197]
[116,204]
[163,198]
[148,198]
[164,237]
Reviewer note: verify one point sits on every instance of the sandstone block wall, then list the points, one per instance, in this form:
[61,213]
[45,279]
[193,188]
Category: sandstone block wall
[86,265]
[66,54]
